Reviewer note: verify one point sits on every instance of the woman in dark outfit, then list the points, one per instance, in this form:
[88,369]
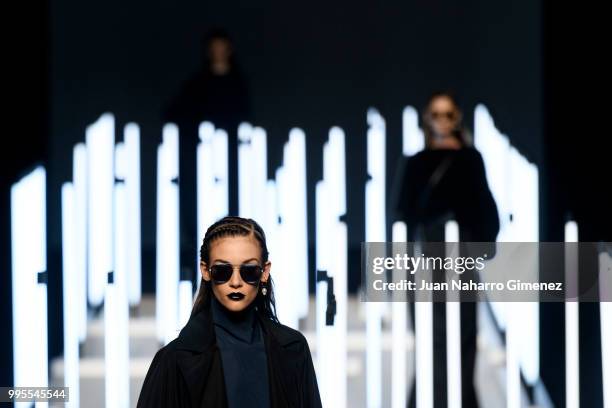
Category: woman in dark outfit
[447,181]
[233,352]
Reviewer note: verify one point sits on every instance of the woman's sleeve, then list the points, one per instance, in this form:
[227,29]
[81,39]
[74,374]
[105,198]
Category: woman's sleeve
[311,397]
[157,389]
[482,214]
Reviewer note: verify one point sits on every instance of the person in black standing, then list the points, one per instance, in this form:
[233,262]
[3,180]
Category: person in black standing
[218,93]
[233,352]
[447,181]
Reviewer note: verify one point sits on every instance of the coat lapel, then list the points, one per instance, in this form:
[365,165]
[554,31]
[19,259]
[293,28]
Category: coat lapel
[197,340]
[198,354]
[281,367]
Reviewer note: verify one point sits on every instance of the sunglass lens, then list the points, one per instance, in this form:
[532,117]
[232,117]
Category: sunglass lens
[221,272]
[250,273]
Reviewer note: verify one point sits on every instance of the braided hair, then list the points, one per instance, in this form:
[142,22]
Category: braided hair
[232,226]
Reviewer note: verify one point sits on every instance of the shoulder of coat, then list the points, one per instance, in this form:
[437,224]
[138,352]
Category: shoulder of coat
[285,334]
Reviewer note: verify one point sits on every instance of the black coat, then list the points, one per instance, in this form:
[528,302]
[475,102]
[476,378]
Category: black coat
[436,184]
[187,372]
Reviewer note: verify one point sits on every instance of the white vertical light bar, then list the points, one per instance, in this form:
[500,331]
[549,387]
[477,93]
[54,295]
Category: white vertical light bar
[100,138]
[288,308]
[168,245]
[116,312]
[399,332]
[245,167]
[524,181]
[131,135]
[605,312]
[259,171]
[340,327]
[185,299]
[204,187]
[323,360]
[70,292]
[331,257]
[511,176]
[413,140]
[453,326]
[79,177]
[29,257]
[495,149]
[253,173]
[270,224]
[375,232]
[572,360]
[298,220]
[112,356]
[220,166]
[161,231]
[513,374]
[423,328]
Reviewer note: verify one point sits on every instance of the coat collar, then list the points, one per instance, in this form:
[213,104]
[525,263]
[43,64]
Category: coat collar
[198,338]
[198,335]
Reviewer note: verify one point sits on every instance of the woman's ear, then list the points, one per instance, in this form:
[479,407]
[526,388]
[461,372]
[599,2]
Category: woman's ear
[266,271]
[204,271]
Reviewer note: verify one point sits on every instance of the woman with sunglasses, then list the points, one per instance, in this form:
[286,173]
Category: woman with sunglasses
[233,352]
[444,181]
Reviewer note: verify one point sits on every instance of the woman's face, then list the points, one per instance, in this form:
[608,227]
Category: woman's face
[235,250]
[443,116]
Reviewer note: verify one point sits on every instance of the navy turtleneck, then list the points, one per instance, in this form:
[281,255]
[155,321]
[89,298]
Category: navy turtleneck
[243,356]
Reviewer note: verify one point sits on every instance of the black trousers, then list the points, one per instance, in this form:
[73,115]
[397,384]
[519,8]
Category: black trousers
[468,355]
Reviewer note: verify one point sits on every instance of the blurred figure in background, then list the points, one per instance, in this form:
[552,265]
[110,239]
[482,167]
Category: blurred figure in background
[217,93]
[447,181]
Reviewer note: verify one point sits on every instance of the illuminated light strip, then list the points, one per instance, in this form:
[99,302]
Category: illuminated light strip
[399,321]
[605,311]
[453,326]
[100,139]
[259,172]
[167,236]
[131,134]
[298,218]
[245,164]
[287,309]
[29,257]
[70,292]
[375,232]
[511,176]
[413,139]
[513,374]
[495,151]
[572,359]
[185,298]
[323,360]
[79,186]
[331,257]
[204,187]
[112,355]
[116,308]
[423,327]
[526,224]
[220,171]
[339,343]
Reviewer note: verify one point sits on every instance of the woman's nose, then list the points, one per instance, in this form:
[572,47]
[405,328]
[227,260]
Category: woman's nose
[235,280]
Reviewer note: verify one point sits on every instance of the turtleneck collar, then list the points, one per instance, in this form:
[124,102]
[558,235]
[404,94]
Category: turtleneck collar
[240,325]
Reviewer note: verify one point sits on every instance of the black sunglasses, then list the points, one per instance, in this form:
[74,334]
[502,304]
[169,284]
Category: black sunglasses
[448,115]
[222,272]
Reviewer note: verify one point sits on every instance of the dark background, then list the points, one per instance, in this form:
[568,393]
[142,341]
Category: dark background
[316,66]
